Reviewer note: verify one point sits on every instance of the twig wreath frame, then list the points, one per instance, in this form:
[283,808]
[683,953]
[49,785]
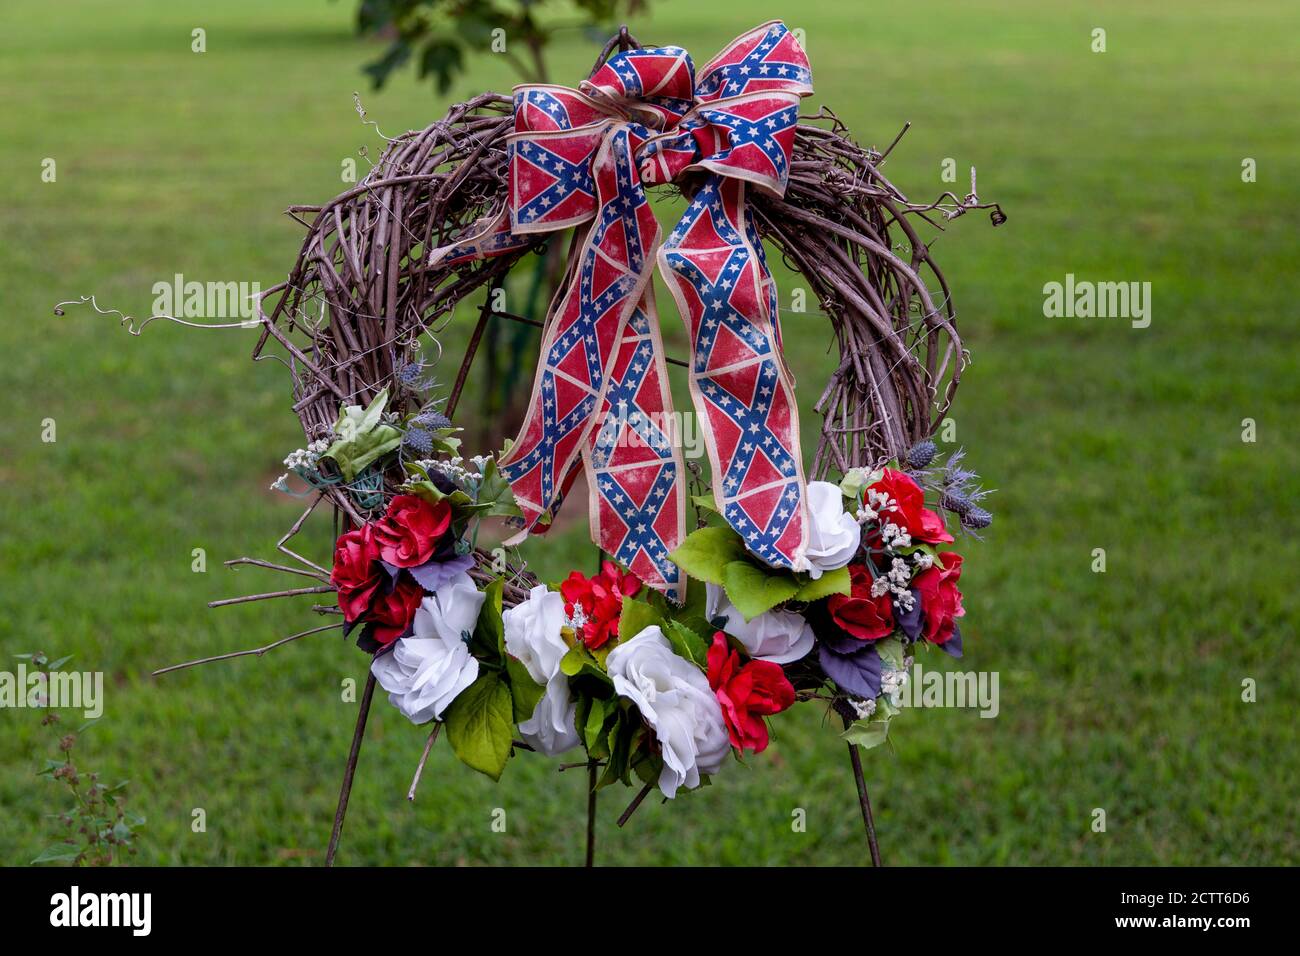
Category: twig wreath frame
[349,320]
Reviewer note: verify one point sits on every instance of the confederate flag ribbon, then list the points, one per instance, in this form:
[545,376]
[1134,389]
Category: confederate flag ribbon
[581,158]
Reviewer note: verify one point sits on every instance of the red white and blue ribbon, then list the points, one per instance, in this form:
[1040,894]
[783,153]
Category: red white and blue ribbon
[581,158]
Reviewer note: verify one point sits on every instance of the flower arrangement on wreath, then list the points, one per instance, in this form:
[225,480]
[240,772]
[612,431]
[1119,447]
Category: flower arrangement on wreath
[680,651]
[677,653]
[657,691]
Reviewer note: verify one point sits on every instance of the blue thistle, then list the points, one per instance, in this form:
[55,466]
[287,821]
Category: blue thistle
[420,440]
[957,500]
[976,519]
[921,454]
[432,420]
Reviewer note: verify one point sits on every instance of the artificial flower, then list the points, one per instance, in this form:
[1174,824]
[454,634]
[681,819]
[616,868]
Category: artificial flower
[833,534]
[356,574]
[906,508]
[863,613]
[552,728]
[747,693]
[675,699]
[425,672]
[856,672]
[600,599]
[532,634]
[390,612]
[411,531]
[777,636]
[940,599]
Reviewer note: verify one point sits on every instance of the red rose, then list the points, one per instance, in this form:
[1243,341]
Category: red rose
[747,694]
[356,572]
[601,600]
[911,514]
[940,599]
[865,617]
[391,612]
[409,534]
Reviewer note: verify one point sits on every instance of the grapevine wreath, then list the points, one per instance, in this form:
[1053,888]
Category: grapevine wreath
[718,604]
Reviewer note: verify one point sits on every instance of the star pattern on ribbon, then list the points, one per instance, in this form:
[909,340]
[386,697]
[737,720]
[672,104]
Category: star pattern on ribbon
[581,158]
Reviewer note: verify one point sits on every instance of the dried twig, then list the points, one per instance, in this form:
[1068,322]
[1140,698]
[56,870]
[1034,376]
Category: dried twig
[424,757]
[254,652]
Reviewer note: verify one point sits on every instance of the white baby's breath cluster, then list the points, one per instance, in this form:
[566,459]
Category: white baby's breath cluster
[863,708]
[577,620]
[892,683]
[454,468]
[304,459]
[875,504]
[307,457]
[896,581]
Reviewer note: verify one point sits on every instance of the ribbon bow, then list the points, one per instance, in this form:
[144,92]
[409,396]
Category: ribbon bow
[581,158]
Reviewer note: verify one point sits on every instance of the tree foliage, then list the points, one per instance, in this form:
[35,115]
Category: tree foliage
[440,35]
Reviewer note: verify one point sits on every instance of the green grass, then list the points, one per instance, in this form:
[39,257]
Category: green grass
[1118,690]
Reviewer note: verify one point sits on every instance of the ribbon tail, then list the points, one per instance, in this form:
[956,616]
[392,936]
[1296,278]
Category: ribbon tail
[486,238]
[743,394]
[634,460]
[581,341]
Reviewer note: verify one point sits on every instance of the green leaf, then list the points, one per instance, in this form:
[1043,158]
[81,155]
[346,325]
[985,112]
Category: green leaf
[59,853]
[494,493]
[635,617]
[579,660]
[858,478]
[427,490]
[891,652]
[838,581]
[706,502]
[480,725]
[647,766]
[489,640]
[591,731]
[524,691]
[866,733]
[619,746]
[686,643]
[753,590]
[354,455]
[354,420]
[362,437]
[706,552]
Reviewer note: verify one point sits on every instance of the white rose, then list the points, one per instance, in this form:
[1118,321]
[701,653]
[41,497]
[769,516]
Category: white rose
[553,728]
[425,672]
[833,533]
[776,636]
[532,633]
[674,697]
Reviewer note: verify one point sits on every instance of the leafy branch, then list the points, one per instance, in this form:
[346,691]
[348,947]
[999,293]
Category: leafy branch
[98,828]
[440,35]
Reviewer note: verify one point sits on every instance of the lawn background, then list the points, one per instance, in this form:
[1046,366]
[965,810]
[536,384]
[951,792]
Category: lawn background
[1119,691]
